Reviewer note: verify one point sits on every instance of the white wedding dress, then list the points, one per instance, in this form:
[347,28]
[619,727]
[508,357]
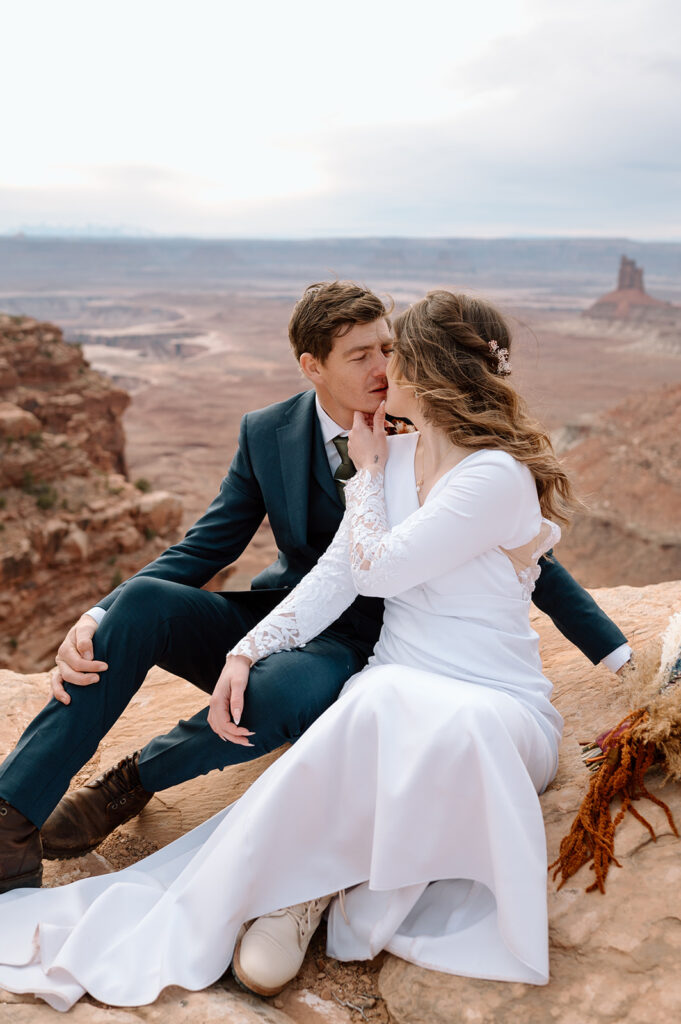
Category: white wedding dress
[416,791]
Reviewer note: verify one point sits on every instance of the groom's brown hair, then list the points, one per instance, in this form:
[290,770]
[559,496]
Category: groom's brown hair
[328,310]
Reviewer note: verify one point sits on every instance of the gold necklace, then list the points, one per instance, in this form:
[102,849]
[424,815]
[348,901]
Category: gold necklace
[419,483]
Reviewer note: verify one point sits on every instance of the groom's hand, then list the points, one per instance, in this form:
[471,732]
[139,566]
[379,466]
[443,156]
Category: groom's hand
[227,701]
[74,660]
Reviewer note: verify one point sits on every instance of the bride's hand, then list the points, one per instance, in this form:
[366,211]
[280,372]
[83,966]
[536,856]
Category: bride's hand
[367,446]
[227,701]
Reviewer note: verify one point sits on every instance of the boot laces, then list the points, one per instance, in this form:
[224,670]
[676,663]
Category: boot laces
[119,781]
[302,914]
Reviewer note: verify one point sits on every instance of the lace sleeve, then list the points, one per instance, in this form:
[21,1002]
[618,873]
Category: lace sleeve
[369,529]
[314,604]
[478,508]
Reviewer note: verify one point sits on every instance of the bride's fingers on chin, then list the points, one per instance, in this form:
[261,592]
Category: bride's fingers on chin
[358,421]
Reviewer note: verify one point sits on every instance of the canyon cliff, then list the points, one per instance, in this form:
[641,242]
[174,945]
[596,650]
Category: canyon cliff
[72,525]
[627,466]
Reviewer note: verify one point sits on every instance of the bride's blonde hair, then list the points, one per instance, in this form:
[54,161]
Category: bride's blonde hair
[447,349]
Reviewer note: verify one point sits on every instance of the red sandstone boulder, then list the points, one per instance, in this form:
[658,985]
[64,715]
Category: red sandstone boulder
[71,524]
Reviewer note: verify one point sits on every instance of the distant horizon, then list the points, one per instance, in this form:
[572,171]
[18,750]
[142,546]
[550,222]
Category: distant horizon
[569,266]
[79,234]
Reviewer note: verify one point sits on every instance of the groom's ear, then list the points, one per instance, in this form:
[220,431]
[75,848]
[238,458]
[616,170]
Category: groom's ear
[310,367]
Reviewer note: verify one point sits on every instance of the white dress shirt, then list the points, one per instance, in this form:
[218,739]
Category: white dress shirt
[331,429]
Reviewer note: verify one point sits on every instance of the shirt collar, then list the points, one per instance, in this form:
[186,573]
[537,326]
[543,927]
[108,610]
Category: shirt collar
[330,428]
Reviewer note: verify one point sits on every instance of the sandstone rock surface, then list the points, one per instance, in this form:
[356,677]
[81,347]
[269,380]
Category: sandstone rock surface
[64,495]
[613,957]
[222,1004]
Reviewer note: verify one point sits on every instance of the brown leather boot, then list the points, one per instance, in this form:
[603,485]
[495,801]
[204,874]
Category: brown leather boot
[85,817]
[21,852]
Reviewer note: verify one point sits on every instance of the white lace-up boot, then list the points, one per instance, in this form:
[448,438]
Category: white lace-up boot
[272,951]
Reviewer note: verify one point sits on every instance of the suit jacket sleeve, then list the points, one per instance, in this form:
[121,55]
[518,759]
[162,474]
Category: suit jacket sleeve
[219,536]
[574,612]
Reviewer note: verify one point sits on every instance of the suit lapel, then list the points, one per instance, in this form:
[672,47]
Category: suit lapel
[295,440]
[320,466]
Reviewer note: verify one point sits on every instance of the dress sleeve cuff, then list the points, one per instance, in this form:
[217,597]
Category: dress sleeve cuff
[620,656]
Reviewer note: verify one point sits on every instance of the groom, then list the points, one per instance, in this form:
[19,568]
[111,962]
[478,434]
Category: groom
[290,466]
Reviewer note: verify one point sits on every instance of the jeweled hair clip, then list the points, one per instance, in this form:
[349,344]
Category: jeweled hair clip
[503,364]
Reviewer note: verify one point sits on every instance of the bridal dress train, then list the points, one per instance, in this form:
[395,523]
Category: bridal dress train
[417,791]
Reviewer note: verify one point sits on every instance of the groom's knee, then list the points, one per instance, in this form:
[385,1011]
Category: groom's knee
[141,596]
[134,627]
[143,603]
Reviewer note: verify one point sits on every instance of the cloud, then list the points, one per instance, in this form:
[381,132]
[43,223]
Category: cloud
[521,117]
[570,127]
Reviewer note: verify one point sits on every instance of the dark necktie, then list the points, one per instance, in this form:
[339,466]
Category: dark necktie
[346,470]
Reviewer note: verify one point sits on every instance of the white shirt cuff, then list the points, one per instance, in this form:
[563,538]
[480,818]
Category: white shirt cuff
[620,656]
[98,614]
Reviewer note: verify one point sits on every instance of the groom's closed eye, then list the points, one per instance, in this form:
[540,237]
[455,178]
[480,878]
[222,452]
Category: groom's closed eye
[356,359]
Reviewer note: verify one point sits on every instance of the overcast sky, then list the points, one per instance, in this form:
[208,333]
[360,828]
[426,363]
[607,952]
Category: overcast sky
[295,118]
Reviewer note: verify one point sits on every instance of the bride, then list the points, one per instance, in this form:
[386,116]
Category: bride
[417,790]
